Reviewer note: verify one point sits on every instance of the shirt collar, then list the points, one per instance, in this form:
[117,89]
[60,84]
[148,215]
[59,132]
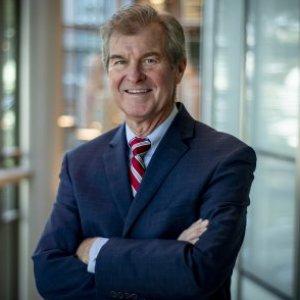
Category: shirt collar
[157,134]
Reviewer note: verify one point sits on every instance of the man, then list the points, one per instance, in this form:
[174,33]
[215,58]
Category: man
[156,208]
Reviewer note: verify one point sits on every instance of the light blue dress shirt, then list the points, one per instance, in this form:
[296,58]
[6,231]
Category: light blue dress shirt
[155,137]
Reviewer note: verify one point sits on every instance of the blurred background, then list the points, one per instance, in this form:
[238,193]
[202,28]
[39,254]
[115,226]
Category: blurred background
[243,77]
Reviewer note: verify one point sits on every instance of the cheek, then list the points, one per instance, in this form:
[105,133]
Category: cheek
[165,83]
[114,82]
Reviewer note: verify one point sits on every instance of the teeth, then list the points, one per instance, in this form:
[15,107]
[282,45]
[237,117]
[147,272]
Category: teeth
[137,91]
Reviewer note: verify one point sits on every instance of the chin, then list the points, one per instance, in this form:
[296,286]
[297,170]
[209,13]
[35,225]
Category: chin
[137,116]
[136,111]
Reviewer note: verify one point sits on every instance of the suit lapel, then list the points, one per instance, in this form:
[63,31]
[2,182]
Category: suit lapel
[171,148]
[116,167]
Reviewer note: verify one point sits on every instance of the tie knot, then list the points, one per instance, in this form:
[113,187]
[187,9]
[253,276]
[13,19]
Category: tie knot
[139,146]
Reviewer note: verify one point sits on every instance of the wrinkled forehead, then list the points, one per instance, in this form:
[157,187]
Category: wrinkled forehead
[151,36]
[147,40]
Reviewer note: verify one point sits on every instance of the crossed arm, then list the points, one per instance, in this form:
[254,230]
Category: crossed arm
[190,235]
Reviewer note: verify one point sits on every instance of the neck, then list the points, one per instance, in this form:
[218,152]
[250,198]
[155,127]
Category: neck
[145,127]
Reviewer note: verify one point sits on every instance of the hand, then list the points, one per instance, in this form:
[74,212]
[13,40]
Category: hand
[83,250]
[192,234]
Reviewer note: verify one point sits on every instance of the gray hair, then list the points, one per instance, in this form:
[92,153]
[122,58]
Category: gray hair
[129,20]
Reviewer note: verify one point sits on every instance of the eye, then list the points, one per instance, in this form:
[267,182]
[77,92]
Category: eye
[151,61]
[119,62]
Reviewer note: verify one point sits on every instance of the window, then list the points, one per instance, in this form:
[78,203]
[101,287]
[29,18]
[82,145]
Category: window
[10,171]
[255,92]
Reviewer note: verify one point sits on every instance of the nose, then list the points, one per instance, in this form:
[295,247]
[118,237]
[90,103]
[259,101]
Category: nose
[135,73]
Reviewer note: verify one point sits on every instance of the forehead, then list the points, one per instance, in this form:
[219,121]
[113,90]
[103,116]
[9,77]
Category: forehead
[151,38]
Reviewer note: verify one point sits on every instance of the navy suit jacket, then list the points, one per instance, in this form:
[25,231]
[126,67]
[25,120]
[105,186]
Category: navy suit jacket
[196,172]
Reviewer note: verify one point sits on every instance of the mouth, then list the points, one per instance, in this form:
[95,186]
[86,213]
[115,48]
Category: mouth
[137,91]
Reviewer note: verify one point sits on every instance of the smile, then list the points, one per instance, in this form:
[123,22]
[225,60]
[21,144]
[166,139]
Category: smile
[137,91]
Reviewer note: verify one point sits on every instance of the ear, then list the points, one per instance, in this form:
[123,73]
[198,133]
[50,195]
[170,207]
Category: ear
[180,68]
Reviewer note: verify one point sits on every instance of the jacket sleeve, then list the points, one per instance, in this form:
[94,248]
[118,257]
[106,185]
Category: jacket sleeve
[170,269]
[58,273]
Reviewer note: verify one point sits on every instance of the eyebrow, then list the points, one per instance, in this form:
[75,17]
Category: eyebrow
[115,56]
[119,56]
[153,53]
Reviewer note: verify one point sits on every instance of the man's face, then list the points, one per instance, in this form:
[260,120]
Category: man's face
[142,80]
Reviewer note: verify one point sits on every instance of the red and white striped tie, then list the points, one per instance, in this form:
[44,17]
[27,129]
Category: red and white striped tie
[139,147]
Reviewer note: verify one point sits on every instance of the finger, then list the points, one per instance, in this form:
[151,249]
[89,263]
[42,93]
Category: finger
[182,236]
[195,233]
[202,231]
[204,222]
[197,222]
[188,235]
[192,235]
[199,227]
[200,222]
[194,241]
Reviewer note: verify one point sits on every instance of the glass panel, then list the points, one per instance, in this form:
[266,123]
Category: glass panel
[268,117]
[269,243]
[9,243]
[189,90]
[273,74]
[8,81]
[273,85]
[227,66]
[252,291]
[86,13]
[80,40]
[9,152]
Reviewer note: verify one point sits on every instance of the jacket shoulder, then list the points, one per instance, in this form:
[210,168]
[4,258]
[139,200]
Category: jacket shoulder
[219,143]
[97,145]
